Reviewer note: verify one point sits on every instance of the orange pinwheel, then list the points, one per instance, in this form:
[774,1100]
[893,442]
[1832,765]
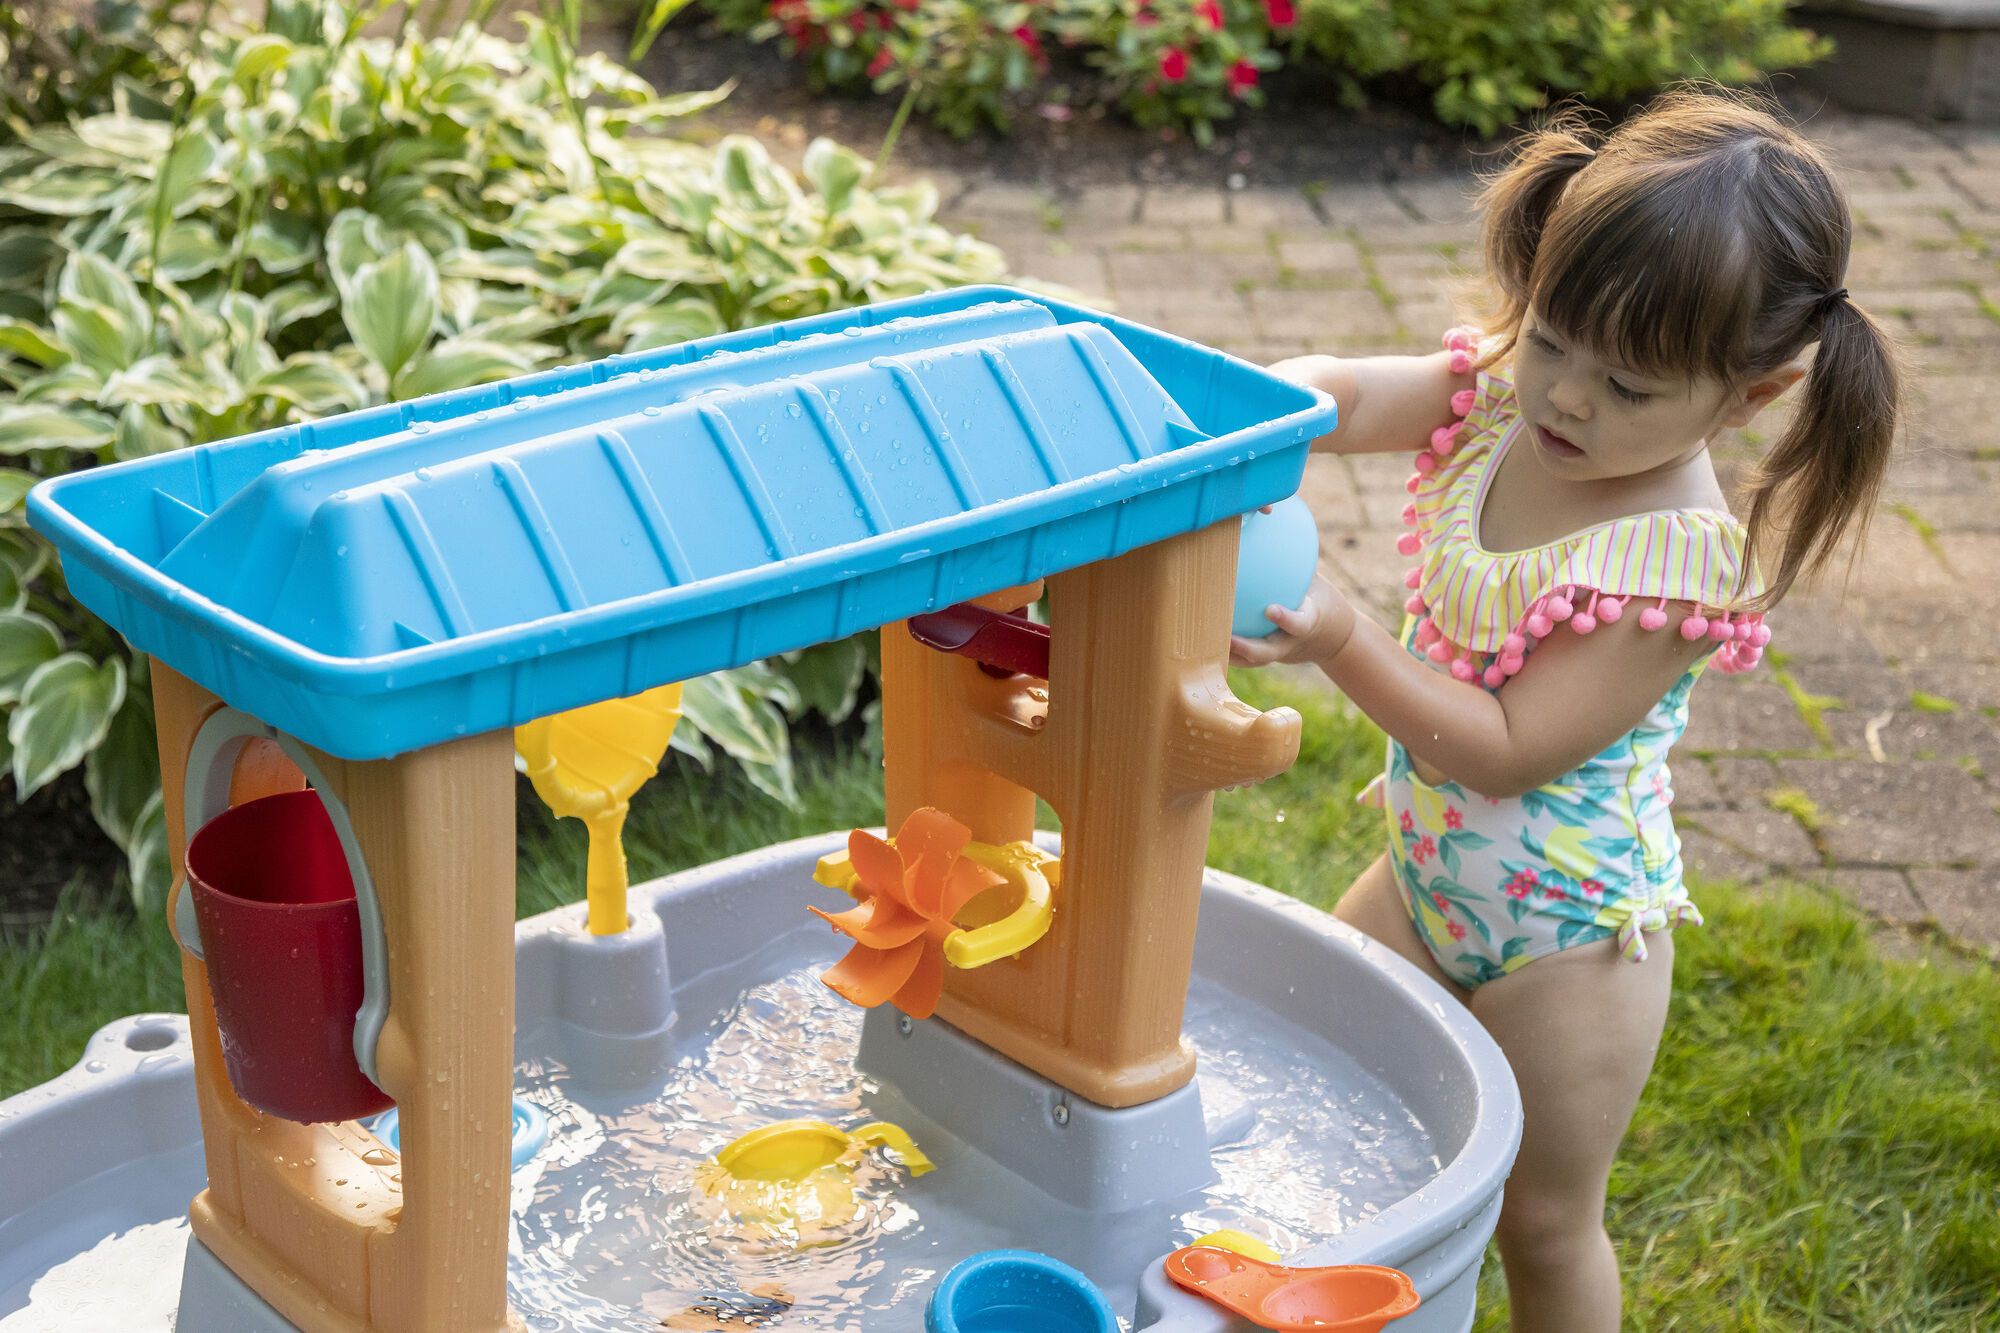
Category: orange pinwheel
[908,891]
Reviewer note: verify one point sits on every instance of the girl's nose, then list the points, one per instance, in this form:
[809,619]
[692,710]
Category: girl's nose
[1570,398]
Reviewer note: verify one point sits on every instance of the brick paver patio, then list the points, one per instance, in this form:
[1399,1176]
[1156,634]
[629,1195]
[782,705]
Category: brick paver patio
[1865,755]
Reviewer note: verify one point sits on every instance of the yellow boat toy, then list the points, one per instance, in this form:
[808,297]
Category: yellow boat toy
[802,1171]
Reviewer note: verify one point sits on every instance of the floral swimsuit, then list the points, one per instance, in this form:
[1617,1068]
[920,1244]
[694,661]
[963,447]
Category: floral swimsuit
[1491,884]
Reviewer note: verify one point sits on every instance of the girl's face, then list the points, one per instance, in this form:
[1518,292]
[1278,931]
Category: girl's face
[1592,419]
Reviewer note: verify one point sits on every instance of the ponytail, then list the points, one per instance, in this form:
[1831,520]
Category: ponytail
[1821,479]
[1517,203]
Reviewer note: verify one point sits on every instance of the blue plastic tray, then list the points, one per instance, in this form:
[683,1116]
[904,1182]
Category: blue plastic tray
[392,578]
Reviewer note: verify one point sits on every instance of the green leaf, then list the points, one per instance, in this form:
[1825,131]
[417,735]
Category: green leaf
[259,55]
[834,171]
[142,434]
[146,859]
[313,381]
[23,428]
[658,14]
[65,711]
[189,250]
[100,337]
[14,484]
[828,677]
[456,363]
[295,301]
[27,643]
[192,158]
[93,278]
[391,305]
[30,343]
[123,773]
[748,728]
[643,327]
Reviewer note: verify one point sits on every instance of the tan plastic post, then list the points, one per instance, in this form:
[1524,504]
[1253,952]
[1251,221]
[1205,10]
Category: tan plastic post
[1136,732]
[337,1233]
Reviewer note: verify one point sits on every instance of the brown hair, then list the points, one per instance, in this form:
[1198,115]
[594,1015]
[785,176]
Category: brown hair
[1705,236]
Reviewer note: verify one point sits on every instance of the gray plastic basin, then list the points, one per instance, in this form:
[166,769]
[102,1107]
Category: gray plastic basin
[632,1043]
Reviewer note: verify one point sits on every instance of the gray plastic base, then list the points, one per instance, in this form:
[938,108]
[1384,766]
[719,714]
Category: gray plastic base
[214,1298]
[97,1158]
[1083,1154]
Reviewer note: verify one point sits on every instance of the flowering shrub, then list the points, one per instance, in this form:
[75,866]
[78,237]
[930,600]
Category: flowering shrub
[968,62]
[1191,63]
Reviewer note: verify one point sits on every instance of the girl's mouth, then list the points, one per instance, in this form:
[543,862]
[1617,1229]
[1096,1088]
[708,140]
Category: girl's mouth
[1556,445]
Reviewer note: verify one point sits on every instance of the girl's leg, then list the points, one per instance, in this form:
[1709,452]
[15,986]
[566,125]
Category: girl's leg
[1373,905]
[1580,1029]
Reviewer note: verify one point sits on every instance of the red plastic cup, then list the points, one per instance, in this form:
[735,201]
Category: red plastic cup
[282,938]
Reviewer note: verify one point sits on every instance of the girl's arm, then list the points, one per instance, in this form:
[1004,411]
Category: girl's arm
[1386,403]
[1576,695]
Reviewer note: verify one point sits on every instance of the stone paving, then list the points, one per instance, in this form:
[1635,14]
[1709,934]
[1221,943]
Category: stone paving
[1864,755]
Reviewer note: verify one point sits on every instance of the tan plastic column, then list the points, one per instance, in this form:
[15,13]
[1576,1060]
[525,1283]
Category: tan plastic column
[1137,733]
[330,1228]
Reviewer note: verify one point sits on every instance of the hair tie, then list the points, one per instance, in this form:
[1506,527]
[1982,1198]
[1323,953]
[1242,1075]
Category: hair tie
[1830,300]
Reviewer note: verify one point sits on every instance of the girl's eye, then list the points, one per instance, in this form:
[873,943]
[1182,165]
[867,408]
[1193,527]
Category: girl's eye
[1541,341]
[1629,395]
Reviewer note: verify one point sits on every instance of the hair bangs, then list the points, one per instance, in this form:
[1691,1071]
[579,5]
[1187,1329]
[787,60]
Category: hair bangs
[1650,268]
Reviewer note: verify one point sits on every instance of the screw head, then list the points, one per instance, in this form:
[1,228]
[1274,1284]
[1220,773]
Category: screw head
[905,1025]
[1062,1113]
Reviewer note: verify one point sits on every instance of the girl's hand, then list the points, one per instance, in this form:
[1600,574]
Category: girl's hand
[1315,632]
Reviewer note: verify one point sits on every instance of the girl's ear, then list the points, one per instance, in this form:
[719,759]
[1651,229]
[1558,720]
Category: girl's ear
[1758,394]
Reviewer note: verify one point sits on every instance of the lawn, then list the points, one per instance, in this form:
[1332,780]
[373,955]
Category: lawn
[1819,1147]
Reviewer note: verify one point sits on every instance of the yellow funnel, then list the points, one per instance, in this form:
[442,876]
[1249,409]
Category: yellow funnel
[587,764]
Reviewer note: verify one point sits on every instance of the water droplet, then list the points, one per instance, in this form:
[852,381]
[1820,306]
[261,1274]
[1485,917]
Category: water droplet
[94,1066]
[420,428]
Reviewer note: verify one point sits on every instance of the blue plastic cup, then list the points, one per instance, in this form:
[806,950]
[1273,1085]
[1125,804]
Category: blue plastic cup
[1017,1291]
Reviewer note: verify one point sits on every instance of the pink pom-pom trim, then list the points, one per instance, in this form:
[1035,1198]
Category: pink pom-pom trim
[1493,676]
[1416,480]
[1410,543]
[1463,401]
[1511,663]
[1440,651]
[1460,362]
[1410,514]
[1415,604]
[1461,670]
[1540,625]
[1413,577]
[1694,627]
[1426,464]
[1611,610]
[1445,439]
[1653,617]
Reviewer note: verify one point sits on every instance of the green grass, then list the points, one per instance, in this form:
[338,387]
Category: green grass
[1819,1147]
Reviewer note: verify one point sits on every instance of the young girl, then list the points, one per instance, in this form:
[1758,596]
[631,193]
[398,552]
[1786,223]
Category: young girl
[1575,569]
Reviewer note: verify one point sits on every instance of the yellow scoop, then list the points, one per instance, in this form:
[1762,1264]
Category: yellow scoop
[801,1171]
[587,764]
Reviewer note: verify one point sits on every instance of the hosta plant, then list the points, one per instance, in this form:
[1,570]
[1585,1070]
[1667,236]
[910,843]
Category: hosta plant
[295,219]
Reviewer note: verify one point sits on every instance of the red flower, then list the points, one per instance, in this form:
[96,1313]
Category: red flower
[910,5]
[1424,850]
[883,62]
[1521,883]
[1145,19]
[1282,13]
[1457,931]
[1409,823]
[1554,893]
[1442,903]
[1173,64]
[857,22]
[1452,818]
[1242,77]
[1211,10]
[1593,888]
